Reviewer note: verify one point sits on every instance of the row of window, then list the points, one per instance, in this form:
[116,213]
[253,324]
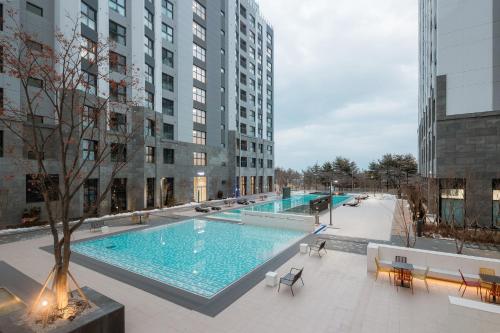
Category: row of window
[244,162]
[252,146]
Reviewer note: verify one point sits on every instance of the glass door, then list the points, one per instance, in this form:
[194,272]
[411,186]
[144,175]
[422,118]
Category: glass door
[200,188]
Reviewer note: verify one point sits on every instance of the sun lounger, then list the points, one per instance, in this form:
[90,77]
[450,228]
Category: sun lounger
[201,209]
[352,204]
[290,278]
[243,202]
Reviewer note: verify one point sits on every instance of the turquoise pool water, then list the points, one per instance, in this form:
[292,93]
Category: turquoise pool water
[278,206]
[202,257]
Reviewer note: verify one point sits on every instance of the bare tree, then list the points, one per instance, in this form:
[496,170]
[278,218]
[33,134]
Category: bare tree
[83,131]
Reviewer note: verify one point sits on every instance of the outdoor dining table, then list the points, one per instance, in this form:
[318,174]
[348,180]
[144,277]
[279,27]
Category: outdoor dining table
[494,280]
[399,267]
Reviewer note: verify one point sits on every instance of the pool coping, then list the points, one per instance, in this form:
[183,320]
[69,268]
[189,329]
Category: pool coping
[207,306]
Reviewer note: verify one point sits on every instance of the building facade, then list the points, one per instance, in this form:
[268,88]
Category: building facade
[207,87]
[459,107]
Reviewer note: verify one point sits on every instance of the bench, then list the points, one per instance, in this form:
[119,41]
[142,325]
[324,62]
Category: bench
[442,266]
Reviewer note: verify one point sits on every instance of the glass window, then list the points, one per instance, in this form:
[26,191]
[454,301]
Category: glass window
[118,152]
[149,74]
[148,19]
[199,116]
[167,32]
[199,137]
[34,9]
[150,154]
[167,8]
[88,50]
[496,202]
[199,158]
[199,74]
[149,101]
[117,92]
[167,82]
[167,106]
[90,117]
[89,150]
[149,46]
[167,57]
[168,131]
[150,128]
[117,33]
[34,82]
[90,193]
[168,156]
[199,95]
[452,205]
[89,16]
[1,143]
[117,62]
[34,189]
[199,9]
[117,121]
[198,31]
[118,6]
[89,82]
[199,52]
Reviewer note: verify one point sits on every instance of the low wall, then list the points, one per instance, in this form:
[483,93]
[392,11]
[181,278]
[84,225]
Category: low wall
[463,315]
[276,220]
[441,265]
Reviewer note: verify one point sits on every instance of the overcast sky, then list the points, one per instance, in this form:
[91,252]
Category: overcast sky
[346,79]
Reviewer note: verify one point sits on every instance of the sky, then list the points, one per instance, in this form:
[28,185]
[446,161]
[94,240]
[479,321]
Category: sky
[346,79]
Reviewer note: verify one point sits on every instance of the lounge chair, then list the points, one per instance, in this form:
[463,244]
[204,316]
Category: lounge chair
[290,278]
[201,209]
[242,202]
[352,204]
[317,247]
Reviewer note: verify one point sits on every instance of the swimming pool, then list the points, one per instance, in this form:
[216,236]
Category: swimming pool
[277,206]
[199,256]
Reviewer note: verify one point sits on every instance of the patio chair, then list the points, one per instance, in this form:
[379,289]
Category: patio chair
[290,278]
[382,269]
[488,287]
[406,277]
[469,283]
[318,247]
[400,259]
[422,276]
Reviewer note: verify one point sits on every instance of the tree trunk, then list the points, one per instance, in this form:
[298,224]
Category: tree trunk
[61,287]
[61,275]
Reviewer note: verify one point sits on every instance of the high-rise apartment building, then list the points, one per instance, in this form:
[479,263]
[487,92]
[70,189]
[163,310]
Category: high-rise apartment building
[207,87]
[459,107]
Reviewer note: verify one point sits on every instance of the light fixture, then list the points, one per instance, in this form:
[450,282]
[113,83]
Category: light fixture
[200,173]
[44,303]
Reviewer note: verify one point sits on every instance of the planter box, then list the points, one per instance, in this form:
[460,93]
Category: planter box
[108,317]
